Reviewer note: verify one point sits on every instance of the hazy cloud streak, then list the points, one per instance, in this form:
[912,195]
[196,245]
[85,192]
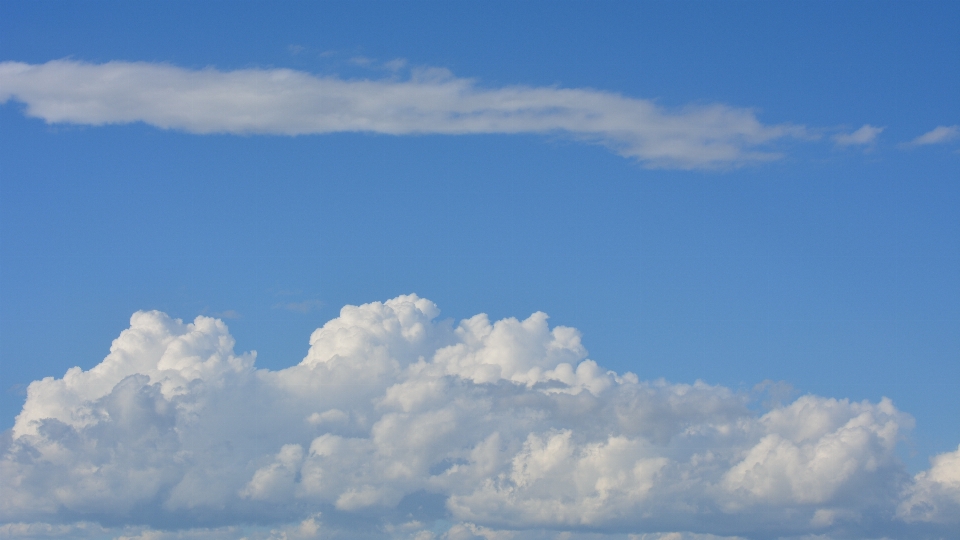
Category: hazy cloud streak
[937,135]
[866,135]
[431,101]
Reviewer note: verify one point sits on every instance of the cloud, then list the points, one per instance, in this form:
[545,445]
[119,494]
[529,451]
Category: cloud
[937,135]
[935,493]
[311,528]
[430,101]
[864,136]
[398,424]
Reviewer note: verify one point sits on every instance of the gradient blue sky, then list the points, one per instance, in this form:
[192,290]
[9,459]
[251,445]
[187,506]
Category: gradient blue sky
[835,268]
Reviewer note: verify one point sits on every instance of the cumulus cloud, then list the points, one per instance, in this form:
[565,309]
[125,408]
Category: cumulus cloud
[935,493]
[866,135]
[937,135]
[287,102]
[398,424]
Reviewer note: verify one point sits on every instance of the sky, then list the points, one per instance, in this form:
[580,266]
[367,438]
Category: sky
[444,270]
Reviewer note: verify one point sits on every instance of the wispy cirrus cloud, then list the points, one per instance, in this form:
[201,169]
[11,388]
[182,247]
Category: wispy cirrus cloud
[430,101]
[937,135]
[864,136]
[397,424]
[304,306]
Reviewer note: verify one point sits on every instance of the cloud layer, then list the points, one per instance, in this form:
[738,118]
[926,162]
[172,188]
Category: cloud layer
[286,102]
[398,424]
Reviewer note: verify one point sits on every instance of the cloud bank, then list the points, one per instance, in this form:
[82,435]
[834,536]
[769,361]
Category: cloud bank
[397,424]
[430,101]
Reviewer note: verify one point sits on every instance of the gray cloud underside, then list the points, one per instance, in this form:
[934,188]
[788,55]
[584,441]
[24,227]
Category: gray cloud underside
[395,420]
[287,102]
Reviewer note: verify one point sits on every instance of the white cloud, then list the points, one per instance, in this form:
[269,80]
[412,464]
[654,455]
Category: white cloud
[935,493]
[287,102]
[864,136]
[399,425]
[937,135]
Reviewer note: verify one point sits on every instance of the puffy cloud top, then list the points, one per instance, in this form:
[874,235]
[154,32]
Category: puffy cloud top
[397,424]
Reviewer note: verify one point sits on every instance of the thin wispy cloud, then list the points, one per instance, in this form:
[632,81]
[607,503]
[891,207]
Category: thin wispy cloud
[864,136]
[304,306]
[430,101]
[401,422]
[937,135]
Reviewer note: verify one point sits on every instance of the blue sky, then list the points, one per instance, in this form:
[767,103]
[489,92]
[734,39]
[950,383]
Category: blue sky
[732,193]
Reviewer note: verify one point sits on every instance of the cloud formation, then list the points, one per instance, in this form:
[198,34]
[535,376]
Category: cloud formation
[287,102]
[397,424]
[866,135]
[937,135]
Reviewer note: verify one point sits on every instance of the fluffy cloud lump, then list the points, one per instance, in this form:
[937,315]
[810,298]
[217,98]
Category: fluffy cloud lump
[400,424]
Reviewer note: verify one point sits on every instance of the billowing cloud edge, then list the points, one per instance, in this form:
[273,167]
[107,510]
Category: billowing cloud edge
[429,101]
[398,424]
